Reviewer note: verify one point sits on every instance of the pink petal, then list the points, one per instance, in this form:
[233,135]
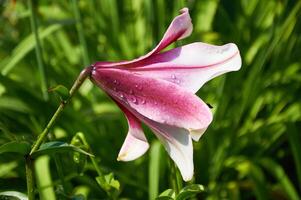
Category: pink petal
[178,145]
[158,100]
[180,27]
[176,141]
[191,66]
[135,144]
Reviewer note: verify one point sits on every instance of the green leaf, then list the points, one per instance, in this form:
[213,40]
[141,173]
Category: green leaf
[79,158]
[167,195]
[22,147]
[24,47]
[190,191]
[109,184]
[164,198]
[14,104]
[13,195]
[62,91]
[57,147]
[294,140]
[260,184]
[278,172]
[111,181]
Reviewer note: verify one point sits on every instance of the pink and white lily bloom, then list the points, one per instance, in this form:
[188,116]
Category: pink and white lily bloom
[159,89]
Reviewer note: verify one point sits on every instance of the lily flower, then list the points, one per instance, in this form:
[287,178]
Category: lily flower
[159,89]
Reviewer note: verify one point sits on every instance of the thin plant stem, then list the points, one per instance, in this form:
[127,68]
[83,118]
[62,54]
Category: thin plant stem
[38,48]
[29,177]
[79,81]
[173,176]
[80,31]
[94,162]
[178,178]
[29,162]
[58,163]
[176,183]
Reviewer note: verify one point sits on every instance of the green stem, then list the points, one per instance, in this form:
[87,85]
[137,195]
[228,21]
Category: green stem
[29,177]
[29,162]
[80,31]
[79,81]
[173,177]
[94,162]
[59,165]
[178,177]
[38,49]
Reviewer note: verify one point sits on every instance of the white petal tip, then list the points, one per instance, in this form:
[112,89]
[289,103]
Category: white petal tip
[197,134]
[236,59]
[122,157]
[133,152]
[188,178]
[183,10]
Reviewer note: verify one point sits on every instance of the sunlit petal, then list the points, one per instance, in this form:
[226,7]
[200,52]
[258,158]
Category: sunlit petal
[158,100]
[179,28]
[135,144]
[191,66]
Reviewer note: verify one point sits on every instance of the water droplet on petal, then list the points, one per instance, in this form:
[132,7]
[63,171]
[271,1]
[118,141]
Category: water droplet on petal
[155,103]
[143,101]
[178,81]
[116,82]
[121,95]
[134,99]
[173,76]
[139,87]
[115,89]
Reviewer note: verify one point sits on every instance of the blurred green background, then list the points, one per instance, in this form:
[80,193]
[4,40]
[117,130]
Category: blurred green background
[252,149]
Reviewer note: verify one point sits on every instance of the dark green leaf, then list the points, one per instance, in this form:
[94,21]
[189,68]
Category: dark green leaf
[109,184]
[58,147]
[12,195]
[22,147]
[190,191]
[167,195]
[62,91]
[278,172]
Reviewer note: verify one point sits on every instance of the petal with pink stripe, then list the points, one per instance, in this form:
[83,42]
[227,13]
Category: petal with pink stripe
[177,142]
[135,144]
[180,27]
[158,100]
[191,66]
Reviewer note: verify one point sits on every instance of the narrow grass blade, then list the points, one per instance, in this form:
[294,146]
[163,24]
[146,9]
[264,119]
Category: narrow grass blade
[294,140]
[39,53]
[43,176]
[277,171]
[80,31]
[154,170]
[24,47]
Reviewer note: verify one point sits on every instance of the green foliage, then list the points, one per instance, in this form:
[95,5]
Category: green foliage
[13,195]
[250,151]
[109,184]
[15,147]
[166,195]
[190,191]
[187,192]
[154,169]
[62,92]
[57,147]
